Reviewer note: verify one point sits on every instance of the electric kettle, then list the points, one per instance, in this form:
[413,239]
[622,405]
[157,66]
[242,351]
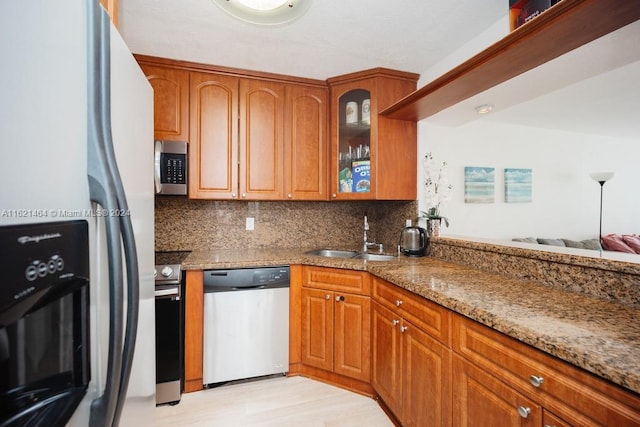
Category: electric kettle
[413,241]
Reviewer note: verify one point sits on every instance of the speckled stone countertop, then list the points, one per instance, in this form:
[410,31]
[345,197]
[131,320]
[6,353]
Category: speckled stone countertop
[599,336]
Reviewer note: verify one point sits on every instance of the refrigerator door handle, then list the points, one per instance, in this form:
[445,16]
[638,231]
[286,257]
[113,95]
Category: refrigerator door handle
[106,189]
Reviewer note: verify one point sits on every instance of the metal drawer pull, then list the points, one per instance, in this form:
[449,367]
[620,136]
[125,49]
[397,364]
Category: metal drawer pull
[548,425]
[398,303]
[536,381]
[524,412]
[327,296]
[394,322]
[340,298]
[403,328]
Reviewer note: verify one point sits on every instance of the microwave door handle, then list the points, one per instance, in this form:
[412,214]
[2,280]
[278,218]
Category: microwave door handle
[157,156]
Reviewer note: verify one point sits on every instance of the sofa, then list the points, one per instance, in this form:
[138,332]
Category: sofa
[629,243]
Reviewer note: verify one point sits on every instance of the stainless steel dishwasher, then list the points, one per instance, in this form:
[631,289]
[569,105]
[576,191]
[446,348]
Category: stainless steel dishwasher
[246,323]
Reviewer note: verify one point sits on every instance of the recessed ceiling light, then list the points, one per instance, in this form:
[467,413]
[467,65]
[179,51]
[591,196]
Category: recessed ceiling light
[484,109]
[265,12]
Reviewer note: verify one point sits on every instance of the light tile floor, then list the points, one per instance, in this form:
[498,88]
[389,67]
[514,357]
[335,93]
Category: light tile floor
[279,401]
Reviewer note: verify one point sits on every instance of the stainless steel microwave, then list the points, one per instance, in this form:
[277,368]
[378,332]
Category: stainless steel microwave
[171,167]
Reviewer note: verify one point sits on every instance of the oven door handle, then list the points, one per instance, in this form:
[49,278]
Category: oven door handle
[172,292]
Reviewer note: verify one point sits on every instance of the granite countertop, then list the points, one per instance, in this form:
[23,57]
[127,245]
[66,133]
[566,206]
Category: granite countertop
[599,336]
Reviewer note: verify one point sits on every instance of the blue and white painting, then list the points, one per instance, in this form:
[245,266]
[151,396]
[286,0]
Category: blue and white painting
[518,185]
[479,184]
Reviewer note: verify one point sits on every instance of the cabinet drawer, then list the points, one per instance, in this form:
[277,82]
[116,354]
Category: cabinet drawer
[335,279]
[571,393]
[430,317]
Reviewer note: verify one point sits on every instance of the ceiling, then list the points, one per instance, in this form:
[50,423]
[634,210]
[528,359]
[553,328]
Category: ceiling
[593,89]
[334,37]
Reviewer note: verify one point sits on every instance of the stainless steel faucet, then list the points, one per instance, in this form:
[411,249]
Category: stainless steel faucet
[366,245]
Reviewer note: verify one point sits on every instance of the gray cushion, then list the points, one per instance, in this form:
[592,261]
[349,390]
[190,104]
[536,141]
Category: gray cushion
[551,242]
[592,244]
[525,240]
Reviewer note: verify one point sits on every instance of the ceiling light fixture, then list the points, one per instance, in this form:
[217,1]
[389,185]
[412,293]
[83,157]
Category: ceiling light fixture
[484,109]
[265,12]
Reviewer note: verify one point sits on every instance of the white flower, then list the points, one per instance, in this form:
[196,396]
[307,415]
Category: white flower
[437,186]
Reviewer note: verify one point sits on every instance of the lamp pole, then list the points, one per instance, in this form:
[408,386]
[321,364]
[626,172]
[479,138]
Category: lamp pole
[601,178]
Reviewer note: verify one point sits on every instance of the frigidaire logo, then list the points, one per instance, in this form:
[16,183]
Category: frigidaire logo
[36,239]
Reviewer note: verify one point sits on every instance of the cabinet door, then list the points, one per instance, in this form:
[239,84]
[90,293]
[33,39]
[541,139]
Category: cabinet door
[426,379]
[261,140]
[352,336]
[306,143]
[317,328]
[480,399]
[386,354]
[353,169]
[170,102]
[213,151]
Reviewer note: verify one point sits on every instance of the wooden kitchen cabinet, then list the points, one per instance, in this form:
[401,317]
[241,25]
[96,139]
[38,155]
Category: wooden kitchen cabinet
[241,148]
[411,369]
[213,151]
[306,143]
[372,157]
[261,140]
[482,400]
[170,101]
[335,325]
[111,6]
[566,394]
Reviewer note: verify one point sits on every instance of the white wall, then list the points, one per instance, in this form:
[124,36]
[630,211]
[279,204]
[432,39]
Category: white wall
[565,201]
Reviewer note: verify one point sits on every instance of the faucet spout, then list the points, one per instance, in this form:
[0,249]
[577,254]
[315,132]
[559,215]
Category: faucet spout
[366,244]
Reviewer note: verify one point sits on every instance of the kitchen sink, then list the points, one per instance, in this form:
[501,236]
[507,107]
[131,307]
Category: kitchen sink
[333,253]
[375,257]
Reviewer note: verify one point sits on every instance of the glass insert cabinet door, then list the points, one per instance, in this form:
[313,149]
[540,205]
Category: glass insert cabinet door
[354,142]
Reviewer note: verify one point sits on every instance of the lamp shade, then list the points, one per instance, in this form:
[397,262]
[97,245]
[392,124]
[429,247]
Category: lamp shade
[601,176]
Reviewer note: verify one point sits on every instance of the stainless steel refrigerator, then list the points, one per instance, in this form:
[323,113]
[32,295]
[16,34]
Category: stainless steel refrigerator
[76,132]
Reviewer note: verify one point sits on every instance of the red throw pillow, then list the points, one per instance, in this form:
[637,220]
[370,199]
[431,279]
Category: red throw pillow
[614,242]
[632,241]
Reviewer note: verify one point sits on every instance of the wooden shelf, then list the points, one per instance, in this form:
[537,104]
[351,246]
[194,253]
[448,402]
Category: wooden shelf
[563,27]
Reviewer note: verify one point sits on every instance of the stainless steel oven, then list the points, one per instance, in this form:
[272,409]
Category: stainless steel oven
[169,327]
[171,166]
[44,322]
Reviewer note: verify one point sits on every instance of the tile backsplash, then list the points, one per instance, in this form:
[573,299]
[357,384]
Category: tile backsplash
[183,224]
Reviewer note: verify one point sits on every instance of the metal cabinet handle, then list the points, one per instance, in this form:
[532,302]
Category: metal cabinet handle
[339,298]
[398,302]
[523,411]
[334,195]
[548,425]
[289,195]
[233,194]
[327,297]
[394,322]
[244,195]
[403,328]
[536,380]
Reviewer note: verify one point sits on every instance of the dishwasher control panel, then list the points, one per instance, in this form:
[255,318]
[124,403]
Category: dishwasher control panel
[246,278]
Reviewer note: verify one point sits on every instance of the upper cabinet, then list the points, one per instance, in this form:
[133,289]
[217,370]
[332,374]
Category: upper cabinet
[170,101]
[372,157]
[111,6]
[563,27]
[306,143]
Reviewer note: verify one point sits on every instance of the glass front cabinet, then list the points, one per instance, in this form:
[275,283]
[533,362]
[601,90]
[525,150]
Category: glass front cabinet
[372,157]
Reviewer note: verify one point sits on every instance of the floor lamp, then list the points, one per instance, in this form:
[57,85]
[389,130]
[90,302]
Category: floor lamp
[601,178]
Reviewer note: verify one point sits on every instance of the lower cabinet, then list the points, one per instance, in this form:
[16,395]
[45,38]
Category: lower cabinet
[501,381]
[411,370]
[482,400]
[335,325]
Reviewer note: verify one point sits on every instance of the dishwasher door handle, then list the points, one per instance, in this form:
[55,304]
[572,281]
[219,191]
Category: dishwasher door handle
[242,288]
